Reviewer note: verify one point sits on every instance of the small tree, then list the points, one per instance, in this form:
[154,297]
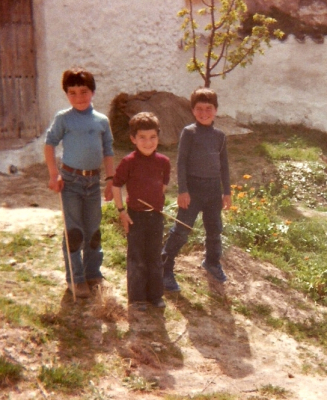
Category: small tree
[225,48]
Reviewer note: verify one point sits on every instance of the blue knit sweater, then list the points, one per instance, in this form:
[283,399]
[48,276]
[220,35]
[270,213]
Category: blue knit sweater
[85,135]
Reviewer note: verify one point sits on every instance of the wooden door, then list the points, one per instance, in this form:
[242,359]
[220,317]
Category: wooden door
[18,105]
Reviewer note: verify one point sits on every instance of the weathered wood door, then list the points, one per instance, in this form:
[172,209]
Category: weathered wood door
[18,105]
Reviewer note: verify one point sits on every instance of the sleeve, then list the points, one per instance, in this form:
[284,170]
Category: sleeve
[56,131]
[121,174]
[107,140]
[166,174]
[182,158]
[224,168]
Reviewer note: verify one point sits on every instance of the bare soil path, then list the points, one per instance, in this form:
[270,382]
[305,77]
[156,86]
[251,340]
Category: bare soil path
[222,350]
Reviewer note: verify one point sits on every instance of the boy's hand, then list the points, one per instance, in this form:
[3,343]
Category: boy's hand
[227,201]
[56,183]
[125,220]
[108,196]
[183,200]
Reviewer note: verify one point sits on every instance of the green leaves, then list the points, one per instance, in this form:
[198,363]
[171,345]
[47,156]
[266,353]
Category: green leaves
[220,21]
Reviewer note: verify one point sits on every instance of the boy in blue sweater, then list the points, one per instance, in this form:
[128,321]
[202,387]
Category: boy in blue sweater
[87,141]
[203,185]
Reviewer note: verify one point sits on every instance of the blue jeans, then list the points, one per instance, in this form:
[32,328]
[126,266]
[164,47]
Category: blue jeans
[206,196]
[144,269]
[81,197]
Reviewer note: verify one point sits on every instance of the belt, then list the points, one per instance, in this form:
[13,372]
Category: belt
[83,172]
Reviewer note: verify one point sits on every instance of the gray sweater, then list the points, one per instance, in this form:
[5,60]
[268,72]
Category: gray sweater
[202,153]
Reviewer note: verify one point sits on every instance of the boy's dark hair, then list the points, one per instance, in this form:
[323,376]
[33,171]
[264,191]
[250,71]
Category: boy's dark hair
[77,77]
[204,95]
[143,121]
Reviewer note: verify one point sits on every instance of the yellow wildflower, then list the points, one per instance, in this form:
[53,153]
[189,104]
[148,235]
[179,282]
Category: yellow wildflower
[241,195]
[247,176]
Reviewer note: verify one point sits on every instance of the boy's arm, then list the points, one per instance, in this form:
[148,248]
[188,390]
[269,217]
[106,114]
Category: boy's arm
[108,162]
[55,182]
[118,199]
[227,199]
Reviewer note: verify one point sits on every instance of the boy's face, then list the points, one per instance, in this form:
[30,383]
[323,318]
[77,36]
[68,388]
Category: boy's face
[204,113]
[80,97]
[146,141]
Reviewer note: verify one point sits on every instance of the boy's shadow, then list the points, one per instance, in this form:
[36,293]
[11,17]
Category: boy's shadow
[70,326]
[139,340]
[214,332]
[149,347]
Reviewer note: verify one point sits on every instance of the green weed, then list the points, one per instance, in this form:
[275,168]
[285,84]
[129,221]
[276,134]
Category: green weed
[276,391]
[9,373]
[65,378]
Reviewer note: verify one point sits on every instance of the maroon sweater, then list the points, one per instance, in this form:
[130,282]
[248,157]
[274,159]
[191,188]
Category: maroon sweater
[144,177]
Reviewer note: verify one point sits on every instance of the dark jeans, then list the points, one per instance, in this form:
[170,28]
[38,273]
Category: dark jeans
[206,196]
[144,269]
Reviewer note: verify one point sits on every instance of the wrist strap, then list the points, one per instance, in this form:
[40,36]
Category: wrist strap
[121,209]
[109,178]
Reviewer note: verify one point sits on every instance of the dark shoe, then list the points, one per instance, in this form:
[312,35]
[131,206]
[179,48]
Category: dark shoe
[139,306]
[82,289]
[170,284]
[216,271]
[159,303]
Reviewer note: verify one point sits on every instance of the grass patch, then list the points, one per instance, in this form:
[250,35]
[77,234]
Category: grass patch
[276,391]
[63,378]
[211,396]
[9,373]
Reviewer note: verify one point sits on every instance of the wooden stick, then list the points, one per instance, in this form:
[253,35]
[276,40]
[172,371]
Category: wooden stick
[68,251]
[167,215]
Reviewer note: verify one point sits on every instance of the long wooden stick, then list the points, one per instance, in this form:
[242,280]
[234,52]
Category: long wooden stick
[68,251]
[167,215]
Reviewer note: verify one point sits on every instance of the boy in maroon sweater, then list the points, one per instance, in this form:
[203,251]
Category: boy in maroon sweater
[146,175]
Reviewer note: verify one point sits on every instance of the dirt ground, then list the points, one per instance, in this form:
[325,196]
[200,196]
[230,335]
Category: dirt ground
[222,350]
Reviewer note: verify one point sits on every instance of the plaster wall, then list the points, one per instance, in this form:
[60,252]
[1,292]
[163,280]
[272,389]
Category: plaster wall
[129,45]
[134,45]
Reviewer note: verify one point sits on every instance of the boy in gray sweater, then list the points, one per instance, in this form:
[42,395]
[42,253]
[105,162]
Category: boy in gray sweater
[203,185]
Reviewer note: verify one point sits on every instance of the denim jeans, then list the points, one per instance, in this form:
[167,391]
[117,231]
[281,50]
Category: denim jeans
[81,197]
[144,269]
[206,196]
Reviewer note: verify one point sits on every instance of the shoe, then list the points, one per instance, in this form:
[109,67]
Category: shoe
[216,271]
[159,303]
[139,306]
[170,284]
[82,289]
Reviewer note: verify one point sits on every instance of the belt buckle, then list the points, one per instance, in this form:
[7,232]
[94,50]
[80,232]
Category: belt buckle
[84,172]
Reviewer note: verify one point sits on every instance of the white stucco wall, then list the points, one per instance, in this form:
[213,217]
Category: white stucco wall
[288,84]
[130,46]
[133,45]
